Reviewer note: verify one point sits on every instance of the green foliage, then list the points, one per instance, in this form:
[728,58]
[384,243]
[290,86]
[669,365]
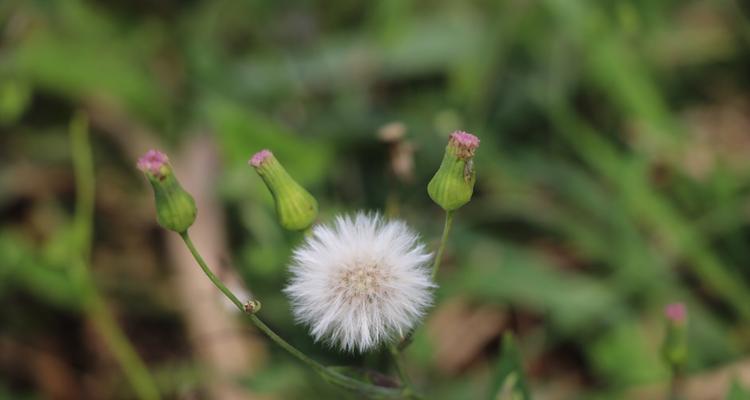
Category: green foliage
[509,382]
[612,178]
[737,391]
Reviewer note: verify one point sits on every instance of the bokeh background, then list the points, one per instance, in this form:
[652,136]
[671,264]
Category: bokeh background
[613,178]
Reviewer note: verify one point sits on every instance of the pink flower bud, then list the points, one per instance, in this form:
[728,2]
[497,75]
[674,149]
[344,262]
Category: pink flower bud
[259,157]
[175,208]
[152,162]
[453,183]
[295,206]
[676,312]
[464,143]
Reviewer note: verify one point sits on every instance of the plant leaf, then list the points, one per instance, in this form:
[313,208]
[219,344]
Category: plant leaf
[510,380]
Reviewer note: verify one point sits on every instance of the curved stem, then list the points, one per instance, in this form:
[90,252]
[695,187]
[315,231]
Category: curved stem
[443,241]
[327,373]
[127,357]
[402,374]
[253,318]
[675,384]
[131,363]
[214,279]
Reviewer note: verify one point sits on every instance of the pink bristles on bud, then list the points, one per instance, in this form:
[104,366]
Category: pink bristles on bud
[676,312]
[152,161]
[259,157]
[465,139]
[463,144]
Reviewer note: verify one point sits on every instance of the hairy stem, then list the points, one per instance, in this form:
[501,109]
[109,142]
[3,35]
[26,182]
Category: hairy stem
[93,302]
[443,241]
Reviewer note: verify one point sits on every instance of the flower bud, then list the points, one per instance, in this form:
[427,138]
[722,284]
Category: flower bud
[675,348]
[453,183]
[175,208]
[295,207]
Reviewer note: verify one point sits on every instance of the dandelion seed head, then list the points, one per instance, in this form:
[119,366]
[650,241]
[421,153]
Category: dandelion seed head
[360,282]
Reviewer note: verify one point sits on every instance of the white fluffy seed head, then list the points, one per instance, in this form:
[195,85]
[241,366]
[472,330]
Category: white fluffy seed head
[360,282]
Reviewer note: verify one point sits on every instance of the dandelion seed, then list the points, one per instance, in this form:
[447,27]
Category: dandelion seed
[361,282]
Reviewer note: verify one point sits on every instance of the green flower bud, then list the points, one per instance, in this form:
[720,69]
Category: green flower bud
[453,183]
[675,347]
[295,207]
[175,208]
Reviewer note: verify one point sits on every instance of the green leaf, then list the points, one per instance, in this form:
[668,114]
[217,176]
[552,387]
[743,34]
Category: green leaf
[509,274]
[510,380]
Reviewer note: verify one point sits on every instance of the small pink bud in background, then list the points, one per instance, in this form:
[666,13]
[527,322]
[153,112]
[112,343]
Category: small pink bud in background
[295,206]
[259,157]
[152,162]
[175,208]
[676,312]
[674,350]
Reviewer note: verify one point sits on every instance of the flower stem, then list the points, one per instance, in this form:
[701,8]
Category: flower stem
[443,241]
[131,363]
[675,385]
[93,302]
[253,318]
[408,389]
[435,267]
[328,374]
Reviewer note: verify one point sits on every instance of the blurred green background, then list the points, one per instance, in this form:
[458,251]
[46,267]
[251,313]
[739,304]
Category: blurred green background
[613,178]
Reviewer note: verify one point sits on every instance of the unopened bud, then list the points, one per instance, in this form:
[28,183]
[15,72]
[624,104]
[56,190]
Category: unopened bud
[453,183]
[675,346]
[295,207]
[175,208]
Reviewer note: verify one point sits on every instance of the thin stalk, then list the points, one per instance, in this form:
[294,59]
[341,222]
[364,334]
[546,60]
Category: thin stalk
[95,307]
[408,389]
[132,365]
[328,374]
[443,241]
[435,267]
[253,318]
[675,385]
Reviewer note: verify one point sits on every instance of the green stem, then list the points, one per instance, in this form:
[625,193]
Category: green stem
[675,384]
[83,165]
[132,365]
[402,374]
[328,374]
[443,241]
[435,267]
[253,318]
